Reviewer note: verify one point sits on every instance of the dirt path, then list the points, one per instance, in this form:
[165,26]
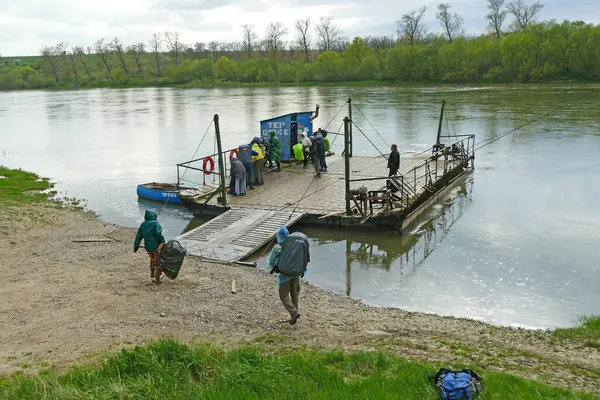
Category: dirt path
[65,302]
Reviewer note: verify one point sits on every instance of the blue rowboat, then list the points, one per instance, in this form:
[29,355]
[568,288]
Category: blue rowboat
[160,192]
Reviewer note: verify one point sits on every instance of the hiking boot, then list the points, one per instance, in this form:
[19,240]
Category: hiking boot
[156,281]
[294,319]
[251,187]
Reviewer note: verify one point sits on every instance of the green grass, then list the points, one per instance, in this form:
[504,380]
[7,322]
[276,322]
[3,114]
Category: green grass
[19,187]
[170,370]
[588,331]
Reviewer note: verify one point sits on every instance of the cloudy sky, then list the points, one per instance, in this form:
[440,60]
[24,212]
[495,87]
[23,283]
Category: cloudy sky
[27,25]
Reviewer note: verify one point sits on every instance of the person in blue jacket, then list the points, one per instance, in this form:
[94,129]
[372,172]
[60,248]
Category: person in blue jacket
[151,231]
[289,286]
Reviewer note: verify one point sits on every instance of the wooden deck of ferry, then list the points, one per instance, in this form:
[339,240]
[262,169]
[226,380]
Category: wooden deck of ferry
[296,188]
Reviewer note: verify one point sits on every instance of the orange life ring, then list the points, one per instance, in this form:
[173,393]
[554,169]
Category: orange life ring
[233,152]
[210,169]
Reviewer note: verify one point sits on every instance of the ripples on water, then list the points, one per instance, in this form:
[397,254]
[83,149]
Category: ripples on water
[513,244]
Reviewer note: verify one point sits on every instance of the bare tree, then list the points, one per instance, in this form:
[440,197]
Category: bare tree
[104,51]
[49,54]
[410,26]
[213,47]
[175,45]
[328,33]
[155,47]
[380,42]
[262,46]
[199,47]
[275,32]
[496,16]
[81,55]
[236,47]
[121,53]
[73,58]
[249,38]
[60,51]
[451,22]
[303,38]
[523,13]
[136,50]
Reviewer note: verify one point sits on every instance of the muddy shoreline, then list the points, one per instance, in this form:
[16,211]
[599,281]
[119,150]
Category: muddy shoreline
[66,302]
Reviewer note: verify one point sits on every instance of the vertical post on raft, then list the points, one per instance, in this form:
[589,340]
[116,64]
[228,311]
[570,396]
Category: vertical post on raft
[222,171]
[439,132]
[178,180]
[347,163]
[350,117]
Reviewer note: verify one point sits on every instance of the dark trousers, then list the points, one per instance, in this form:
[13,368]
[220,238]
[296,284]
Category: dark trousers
[317,164]
[249,176]
[289,293]
[393,171]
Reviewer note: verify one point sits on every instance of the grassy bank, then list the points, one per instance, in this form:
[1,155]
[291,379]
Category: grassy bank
[169,370]
[19,187]
[588,332]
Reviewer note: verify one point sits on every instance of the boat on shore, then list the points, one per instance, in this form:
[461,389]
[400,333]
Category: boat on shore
[160,191]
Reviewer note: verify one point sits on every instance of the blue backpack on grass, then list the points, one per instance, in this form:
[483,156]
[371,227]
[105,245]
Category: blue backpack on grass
[457,385]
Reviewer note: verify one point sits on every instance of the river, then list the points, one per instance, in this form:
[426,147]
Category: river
[512,244]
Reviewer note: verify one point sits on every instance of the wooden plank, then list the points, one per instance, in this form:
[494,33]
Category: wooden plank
[93,240]
[236,234]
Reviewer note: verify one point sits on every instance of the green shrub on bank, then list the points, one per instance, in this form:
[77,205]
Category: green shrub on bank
[21,187]
[587,331]
[170,370]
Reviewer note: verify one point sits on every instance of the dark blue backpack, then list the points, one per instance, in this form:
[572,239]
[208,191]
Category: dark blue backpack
[458,385]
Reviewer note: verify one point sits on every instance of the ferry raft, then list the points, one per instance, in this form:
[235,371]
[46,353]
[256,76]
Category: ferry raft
[355,193]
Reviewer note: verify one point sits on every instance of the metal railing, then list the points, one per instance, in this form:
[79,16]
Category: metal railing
[402,189]
[193,165]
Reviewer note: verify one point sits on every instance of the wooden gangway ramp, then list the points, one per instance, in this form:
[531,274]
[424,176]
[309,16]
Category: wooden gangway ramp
[236,234]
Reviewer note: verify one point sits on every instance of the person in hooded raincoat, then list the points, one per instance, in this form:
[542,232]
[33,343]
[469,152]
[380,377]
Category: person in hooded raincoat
[151,232]
[321,149]
[314,155]
[274,150]
[257,162]
[263,148]
[245,154]
[289,286]
[237,185]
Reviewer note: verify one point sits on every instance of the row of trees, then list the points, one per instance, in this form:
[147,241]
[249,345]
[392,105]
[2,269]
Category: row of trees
[525,51]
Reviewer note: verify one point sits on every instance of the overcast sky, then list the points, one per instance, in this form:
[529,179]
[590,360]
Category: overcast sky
[27,25]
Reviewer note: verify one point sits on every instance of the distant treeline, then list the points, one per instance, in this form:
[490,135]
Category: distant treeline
[529,52]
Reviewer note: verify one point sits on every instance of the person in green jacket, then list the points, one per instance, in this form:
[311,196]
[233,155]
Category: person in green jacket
[151,231]
[274,150]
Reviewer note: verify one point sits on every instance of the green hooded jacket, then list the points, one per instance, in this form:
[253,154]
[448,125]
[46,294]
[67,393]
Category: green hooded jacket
[151,231]
[275,149]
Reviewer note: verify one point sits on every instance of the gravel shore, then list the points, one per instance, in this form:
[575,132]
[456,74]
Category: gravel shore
[66,302]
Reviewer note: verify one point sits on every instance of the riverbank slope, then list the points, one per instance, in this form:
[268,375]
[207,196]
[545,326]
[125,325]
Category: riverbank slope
[66,302]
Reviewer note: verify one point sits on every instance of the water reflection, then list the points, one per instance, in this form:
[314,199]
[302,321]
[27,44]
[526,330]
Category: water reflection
[388,256]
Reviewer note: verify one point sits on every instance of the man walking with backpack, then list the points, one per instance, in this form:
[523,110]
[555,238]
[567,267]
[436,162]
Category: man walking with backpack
[289,259]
